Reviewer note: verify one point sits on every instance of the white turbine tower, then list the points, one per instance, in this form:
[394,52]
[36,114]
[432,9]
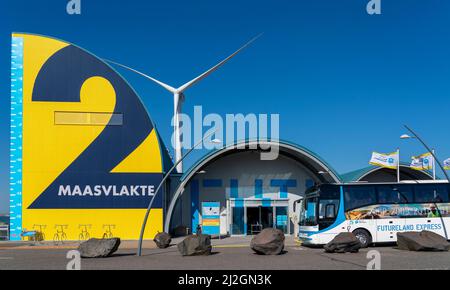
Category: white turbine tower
[178,96]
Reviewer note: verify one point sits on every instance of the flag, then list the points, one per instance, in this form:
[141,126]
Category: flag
[447,164]
[390,160]
[422,162]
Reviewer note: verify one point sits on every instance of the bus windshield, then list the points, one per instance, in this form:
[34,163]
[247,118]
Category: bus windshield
[320,207]
[308,216]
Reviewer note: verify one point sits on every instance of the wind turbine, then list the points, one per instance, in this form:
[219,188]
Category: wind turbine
[178,96]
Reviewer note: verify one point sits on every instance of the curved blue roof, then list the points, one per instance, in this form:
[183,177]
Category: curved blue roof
[360,173]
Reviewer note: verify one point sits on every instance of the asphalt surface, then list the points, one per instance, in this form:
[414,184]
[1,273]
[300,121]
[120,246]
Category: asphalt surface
[228,256]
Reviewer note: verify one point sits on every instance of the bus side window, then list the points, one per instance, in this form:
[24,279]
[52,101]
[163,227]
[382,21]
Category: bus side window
[386,195]
[395,194]
[330,211]
[448,193]
[359,196]
[431,193]
[405,193]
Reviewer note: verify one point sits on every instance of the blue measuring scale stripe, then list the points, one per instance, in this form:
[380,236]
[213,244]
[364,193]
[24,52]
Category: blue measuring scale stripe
[16,138]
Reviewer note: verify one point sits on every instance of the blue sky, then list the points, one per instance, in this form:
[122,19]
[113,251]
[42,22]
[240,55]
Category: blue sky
[342,81]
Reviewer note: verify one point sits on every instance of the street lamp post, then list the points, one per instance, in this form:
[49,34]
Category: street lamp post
[435,160]
[144,223]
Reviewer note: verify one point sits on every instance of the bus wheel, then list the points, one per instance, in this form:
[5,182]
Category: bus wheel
[363,236]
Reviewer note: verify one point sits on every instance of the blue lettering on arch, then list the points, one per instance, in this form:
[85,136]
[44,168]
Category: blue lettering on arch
[266,202]
[234,193]
[212,183]
[309,183]
[234,184]
[283,184]
[258,188]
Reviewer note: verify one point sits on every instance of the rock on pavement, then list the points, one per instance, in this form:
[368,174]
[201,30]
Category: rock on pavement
[98,248]
[195,245]
[422,241]
[162,240]
[269,241]
[343,243]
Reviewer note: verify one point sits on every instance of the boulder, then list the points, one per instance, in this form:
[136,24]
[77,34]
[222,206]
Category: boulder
[98,248]
[162,240]
[195,245]
[422,241]
[343,243]
[268,242]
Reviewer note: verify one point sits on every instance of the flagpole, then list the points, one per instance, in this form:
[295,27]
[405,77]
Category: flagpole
[434,164]
[398,165]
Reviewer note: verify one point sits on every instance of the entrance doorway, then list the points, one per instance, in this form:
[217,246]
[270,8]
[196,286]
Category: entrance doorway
[249,217]
[259,218]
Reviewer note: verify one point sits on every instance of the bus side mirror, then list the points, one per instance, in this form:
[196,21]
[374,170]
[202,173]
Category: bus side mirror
[294,207]
[330,211]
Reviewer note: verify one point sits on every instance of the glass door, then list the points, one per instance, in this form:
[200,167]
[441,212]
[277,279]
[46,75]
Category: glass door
[237,221]
[266,216]
[254,225]
[282,219]
[259,218]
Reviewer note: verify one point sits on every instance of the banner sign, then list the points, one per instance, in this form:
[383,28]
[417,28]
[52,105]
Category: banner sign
[390,160]
[211,218]
[422,162]
[447,164]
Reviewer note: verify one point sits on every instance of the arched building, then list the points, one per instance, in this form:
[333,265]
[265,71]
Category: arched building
[250,193]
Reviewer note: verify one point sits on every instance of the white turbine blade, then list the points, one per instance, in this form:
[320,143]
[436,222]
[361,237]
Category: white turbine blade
[208,72]
[166,86]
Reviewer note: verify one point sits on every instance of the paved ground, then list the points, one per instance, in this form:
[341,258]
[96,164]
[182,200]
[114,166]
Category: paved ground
[229,254]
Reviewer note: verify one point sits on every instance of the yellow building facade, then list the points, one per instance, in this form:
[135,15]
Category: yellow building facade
[85,155]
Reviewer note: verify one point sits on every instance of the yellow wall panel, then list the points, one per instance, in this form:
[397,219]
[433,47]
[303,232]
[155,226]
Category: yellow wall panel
[55,134]
[133,162]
